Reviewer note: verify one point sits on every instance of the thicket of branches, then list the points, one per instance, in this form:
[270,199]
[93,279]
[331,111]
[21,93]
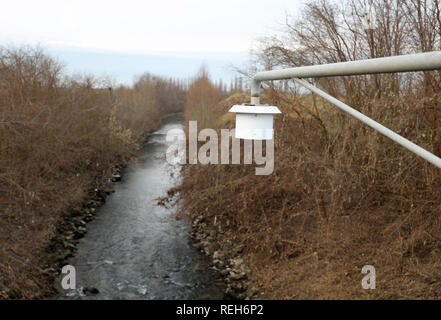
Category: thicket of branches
[341,195]
[201,99]
[59,137]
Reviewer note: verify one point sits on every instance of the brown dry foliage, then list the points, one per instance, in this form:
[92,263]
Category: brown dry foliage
[341,195]
[59,136]
[201,98]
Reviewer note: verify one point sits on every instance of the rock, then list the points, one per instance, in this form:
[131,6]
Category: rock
[231,294]
[237,276]
[3,295]
[76,212]
[238,286]
[79,232]
[218,263]
[92,203]
[237,262]
[91,290]
[116,178]
[109,190]
[224,272]
[198,245]
[67,253]
[79,223]
[68,245]
[216,255]
[101,194]
[225,254]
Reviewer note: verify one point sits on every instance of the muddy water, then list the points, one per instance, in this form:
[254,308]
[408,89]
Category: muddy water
[135,249]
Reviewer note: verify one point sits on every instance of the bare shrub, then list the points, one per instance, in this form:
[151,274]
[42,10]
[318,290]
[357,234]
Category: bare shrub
[59,138]
[201,98]
[341,196]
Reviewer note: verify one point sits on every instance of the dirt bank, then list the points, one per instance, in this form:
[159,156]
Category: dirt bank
[226,257]
[61,137]
[72,226]
[307,230]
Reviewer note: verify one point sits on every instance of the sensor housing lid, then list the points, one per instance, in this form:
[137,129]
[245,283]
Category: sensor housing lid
[254,122]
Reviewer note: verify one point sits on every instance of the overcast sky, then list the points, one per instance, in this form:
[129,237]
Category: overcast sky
[199,30]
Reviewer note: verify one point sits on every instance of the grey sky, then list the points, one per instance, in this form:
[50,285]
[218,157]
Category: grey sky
[186,30]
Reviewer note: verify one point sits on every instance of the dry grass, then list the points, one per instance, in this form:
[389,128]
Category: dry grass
[341,197]
[58,138]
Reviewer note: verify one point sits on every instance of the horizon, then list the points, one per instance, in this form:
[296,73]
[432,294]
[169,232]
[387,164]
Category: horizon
[125,67]
[169,38]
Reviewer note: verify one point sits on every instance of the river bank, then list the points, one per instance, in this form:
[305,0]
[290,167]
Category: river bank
[70,227]
[72,223]
[226,258]
[73,226]
[135,248]
[61,137]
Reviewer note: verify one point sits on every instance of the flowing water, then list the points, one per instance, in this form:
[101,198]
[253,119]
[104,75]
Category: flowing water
[135,249]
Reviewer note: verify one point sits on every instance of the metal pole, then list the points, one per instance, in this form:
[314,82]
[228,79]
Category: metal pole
[375,125]
[405,63]
[255,92]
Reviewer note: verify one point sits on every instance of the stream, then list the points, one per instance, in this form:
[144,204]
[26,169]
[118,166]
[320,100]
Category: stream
[136,249]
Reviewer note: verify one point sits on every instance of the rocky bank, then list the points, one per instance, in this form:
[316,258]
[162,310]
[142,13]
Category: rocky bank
[226,257]
[72,226]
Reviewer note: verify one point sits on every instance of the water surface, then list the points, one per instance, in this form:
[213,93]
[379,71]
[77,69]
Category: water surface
[135,249]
